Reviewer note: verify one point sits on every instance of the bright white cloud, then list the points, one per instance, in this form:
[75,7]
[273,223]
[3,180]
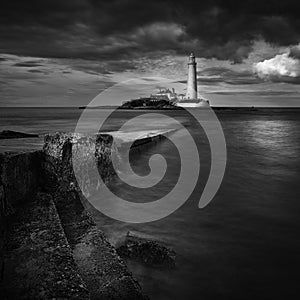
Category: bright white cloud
[282,65]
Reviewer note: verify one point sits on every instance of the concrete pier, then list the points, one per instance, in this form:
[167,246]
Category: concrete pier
[140,138]
[46,231]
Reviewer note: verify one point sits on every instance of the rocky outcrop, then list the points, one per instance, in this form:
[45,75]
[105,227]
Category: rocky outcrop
[9,134]
[147,251]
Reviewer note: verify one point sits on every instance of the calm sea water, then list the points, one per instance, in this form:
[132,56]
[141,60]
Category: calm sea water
[245,244]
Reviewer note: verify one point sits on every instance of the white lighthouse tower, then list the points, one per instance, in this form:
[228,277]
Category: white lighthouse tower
[191,91]
[191,99]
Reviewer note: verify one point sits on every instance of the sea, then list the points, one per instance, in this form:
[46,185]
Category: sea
[245,244]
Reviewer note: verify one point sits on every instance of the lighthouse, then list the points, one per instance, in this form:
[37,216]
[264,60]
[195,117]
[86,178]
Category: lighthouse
[191,98]
[191,91]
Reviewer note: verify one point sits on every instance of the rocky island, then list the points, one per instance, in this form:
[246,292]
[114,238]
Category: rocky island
[149,103]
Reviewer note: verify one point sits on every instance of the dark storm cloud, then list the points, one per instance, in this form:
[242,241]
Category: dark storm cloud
[104,68]
[221,74]
[295,52]
[28,64]
[214,75]
[119,29]
[286,79]
[38,71]
[266,93]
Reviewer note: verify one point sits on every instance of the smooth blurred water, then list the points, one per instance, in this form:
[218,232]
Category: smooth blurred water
[245,243]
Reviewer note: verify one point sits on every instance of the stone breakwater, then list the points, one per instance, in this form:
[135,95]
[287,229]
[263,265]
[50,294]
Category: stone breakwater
[50,247]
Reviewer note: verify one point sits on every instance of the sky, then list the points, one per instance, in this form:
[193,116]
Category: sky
[66,52]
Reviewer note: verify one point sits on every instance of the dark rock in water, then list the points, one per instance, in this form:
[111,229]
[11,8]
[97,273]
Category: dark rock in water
[148,251]
[9,134]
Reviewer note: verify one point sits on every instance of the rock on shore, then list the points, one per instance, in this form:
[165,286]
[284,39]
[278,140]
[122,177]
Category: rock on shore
[148,251]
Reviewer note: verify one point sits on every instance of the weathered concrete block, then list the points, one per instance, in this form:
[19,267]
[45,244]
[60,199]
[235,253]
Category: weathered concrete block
[91,153]
[38,262]
[20,177]
[39,242]
[105,274]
